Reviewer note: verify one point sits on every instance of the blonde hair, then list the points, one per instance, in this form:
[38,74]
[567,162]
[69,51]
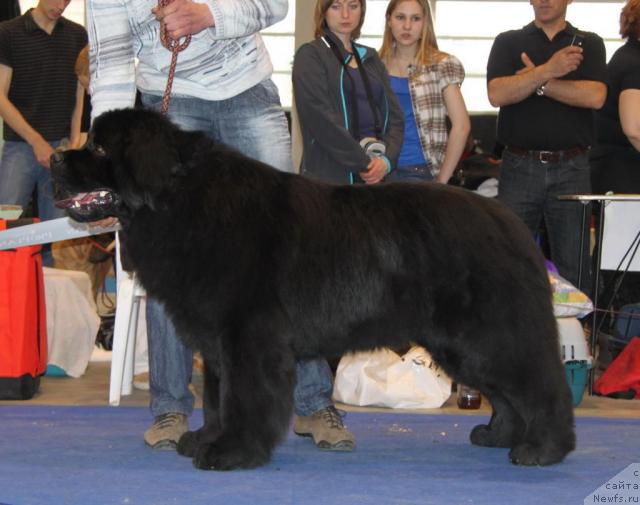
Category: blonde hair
[322,6]
[428,51]
[630,20]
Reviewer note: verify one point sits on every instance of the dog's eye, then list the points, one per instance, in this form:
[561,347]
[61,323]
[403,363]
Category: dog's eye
[99,150]
[96,149]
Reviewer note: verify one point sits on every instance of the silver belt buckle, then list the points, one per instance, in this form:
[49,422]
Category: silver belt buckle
[545,156]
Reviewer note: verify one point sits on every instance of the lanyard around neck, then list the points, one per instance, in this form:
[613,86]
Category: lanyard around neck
[355,118]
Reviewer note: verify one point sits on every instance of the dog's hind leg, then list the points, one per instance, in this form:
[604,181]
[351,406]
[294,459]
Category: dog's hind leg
[527,387]
[548,415]
[540,395]
[256,401]
[506,427]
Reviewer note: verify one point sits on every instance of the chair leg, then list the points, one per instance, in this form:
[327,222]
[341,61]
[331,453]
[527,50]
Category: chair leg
[132,333]
[124,333]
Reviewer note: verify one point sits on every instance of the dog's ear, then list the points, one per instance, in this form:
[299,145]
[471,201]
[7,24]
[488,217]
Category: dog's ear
[153,160]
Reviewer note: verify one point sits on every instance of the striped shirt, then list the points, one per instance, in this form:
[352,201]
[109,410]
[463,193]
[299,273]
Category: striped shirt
[426,84]
[43,81]
[219,63]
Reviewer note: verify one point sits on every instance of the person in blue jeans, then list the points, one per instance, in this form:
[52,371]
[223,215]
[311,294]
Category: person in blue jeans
[427,83]
[548,78]
[222,86]
[38,104]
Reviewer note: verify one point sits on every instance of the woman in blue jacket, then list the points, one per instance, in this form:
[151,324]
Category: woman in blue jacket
[350,119]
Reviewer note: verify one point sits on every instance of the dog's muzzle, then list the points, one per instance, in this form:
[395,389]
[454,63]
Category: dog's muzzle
[92,206]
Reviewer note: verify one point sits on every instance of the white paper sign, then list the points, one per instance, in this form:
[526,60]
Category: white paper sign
[621,235]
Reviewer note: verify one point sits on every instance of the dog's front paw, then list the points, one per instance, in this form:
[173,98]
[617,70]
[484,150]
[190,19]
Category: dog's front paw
[227,455]
[188,443]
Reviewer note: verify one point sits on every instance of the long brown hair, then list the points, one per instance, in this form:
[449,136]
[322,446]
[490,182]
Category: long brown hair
[428,51]
[630,20]
[322,6]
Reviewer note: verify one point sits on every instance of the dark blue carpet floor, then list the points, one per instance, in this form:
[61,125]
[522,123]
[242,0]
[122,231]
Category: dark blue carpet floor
[88,455]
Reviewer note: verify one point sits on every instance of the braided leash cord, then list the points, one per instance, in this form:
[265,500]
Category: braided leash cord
[175,46]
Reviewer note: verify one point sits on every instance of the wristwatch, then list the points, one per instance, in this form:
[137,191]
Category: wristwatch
[540,90]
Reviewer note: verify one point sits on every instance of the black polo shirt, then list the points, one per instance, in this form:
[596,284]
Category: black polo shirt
[43,83]
[539,122]
[624,73]
[9,9]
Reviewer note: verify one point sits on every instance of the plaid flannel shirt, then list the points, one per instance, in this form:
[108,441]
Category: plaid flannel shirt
[426,84]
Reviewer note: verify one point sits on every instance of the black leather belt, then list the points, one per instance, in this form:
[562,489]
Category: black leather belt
[413,168]
[547,156]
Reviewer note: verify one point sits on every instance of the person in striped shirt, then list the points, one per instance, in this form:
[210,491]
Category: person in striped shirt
[38,87]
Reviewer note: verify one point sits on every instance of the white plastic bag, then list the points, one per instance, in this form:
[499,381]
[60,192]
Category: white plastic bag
[384,379]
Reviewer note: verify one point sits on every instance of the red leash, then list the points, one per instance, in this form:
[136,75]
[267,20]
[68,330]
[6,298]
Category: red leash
[175,47]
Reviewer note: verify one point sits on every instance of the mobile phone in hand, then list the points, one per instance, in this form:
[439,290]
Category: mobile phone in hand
[577,40]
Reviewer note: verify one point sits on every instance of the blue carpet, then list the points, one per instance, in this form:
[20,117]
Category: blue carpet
[95,455]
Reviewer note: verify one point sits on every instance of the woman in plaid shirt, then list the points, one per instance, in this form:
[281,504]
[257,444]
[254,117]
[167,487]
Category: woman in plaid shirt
[427,83]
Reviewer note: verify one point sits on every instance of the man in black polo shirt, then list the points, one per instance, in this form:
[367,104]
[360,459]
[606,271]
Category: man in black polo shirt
[38,91]
[547,78]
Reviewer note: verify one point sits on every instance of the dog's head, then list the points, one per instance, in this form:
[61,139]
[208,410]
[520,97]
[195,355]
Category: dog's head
[130,160]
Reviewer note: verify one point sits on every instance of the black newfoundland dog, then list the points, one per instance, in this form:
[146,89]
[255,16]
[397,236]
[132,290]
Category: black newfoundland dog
[258,268]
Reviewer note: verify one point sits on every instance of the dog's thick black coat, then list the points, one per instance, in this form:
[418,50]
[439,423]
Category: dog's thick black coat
[259,268]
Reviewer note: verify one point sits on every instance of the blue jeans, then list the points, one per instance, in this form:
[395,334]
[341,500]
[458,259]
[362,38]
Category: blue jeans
[530,188]
[314,386]
[254,123]
[411,173]
[20,173]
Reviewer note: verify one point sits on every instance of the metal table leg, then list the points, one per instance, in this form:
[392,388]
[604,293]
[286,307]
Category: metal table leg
[596,283]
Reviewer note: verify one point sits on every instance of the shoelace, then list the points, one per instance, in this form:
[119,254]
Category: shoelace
[166,420]
[333,417]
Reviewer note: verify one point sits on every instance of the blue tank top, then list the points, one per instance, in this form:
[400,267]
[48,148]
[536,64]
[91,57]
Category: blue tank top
[411,152]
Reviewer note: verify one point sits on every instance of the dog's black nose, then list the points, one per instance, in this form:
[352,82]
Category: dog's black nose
[56,158]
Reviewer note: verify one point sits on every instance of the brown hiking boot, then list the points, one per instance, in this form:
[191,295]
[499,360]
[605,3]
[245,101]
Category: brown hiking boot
[327,429]
[166,431]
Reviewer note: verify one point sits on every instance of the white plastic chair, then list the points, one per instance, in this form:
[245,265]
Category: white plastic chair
[129,295]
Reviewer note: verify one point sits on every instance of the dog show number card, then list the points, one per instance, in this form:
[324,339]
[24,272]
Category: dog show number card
[54,230]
